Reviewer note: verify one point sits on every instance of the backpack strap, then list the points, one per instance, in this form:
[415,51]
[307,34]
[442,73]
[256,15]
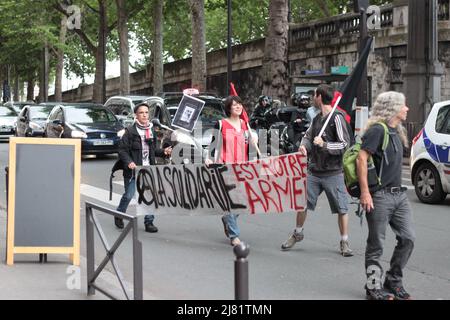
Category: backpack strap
[383,149]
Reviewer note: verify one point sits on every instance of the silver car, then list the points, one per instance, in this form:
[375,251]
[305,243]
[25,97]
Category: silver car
[8,119]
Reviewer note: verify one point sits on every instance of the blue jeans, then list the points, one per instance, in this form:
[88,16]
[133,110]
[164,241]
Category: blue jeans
[130,189]
[230,224]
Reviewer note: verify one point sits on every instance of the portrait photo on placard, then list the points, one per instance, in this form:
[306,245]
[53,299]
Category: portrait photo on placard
[188,112]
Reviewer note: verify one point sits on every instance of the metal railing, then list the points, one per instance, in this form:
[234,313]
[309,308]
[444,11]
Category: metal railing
[92,272]
[348,24]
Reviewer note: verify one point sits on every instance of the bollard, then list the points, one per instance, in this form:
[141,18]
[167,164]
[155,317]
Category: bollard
[241,252]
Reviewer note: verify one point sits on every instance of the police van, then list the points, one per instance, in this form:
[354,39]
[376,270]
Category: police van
[430,156]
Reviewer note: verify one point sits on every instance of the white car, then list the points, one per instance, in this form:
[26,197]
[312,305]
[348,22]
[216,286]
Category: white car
[430,156]
[123,106]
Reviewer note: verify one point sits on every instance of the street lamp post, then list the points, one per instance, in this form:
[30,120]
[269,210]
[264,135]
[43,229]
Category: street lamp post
[361,6]
[362,109]
[229,52]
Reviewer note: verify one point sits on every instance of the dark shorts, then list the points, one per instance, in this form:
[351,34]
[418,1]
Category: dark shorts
[334,187]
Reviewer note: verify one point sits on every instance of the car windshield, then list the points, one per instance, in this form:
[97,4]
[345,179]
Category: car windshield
[40,113]
[89,115]
[6,112]
[120,109]
[211,113]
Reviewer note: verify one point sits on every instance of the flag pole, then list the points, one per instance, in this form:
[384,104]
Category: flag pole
[329,116]
[255,144]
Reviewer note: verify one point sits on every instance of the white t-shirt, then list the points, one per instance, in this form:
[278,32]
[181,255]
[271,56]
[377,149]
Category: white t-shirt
[145,146]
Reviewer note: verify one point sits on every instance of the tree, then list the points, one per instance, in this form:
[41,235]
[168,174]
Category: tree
[124,50]
[275,61]
[198,77]
[158,63]
[60,59]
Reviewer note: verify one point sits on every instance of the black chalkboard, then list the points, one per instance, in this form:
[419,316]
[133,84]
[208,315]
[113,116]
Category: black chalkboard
[44,196]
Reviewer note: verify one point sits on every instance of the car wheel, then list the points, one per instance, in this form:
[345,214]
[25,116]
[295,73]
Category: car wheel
[427,184]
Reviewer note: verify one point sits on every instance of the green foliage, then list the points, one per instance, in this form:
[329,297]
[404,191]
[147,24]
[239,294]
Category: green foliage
[26,25]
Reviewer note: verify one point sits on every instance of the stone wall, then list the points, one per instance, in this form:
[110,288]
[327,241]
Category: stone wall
[314,45]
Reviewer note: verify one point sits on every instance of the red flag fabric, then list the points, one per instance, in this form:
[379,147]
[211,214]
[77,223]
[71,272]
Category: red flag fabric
[244,115]
[233,90]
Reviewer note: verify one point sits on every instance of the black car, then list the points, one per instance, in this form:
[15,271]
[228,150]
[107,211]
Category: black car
[96,126]
[32,120]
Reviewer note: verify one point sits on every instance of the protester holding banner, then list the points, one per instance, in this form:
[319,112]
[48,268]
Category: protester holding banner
[325,171]
[230,144]
[388,203]
[138,148]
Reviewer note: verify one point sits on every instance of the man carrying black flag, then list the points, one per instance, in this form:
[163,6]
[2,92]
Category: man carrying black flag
[324,146]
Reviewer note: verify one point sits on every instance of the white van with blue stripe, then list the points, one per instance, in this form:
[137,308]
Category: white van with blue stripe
[430,156]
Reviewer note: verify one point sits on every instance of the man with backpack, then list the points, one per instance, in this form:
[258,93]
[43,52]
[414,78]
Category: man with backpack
[325,167]
[386,202]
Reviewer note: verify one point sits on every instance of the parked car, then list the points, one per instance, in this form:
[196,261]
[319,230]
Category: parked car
[8,118]
[123,107]
[18,106]
[96,126]
[430,156]
[32,120]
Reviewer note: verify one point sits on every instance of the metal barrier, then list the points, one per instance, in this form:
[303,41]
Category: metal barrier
[241,252]
[92,273]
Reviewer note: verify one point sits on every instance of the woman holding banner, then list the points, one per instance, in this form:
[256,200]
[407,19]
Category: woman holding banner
[230,144]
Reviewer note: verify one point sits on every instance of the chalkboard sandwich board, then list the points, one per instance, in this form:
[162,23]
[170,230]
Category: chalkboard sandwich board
[44,197]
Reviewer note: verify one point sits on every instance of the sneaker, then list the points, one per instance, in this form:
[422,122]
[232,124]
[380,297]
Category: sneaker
[345,249]
[398,292]
[235,241]
[118,222]
[149,227]
[293,239]
[225,229]
[378,294]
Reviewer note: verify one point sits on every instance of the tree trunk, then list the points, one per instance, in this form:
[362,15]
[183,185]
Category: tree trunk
[99,94]
[16,87]
[158,67]
[198,44]
[44,75]
[124,49]
[30,88]
[60,59]
[275,61]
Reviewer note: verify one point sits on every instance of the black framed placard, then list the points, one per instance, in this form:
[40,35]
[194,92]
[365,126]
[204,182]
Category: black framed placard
[44,197]
[187,113]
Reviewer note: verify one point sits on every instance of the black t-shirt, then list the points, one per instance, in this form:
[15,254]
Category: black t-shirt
[372,142]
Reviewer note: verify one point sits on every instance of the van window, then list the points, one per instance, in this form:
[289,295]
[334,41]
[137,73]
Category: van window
[120,107]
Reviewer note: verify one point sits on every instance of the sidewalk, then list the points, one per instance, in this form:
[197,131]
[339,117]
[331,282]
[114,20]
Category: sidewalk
[57,279]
